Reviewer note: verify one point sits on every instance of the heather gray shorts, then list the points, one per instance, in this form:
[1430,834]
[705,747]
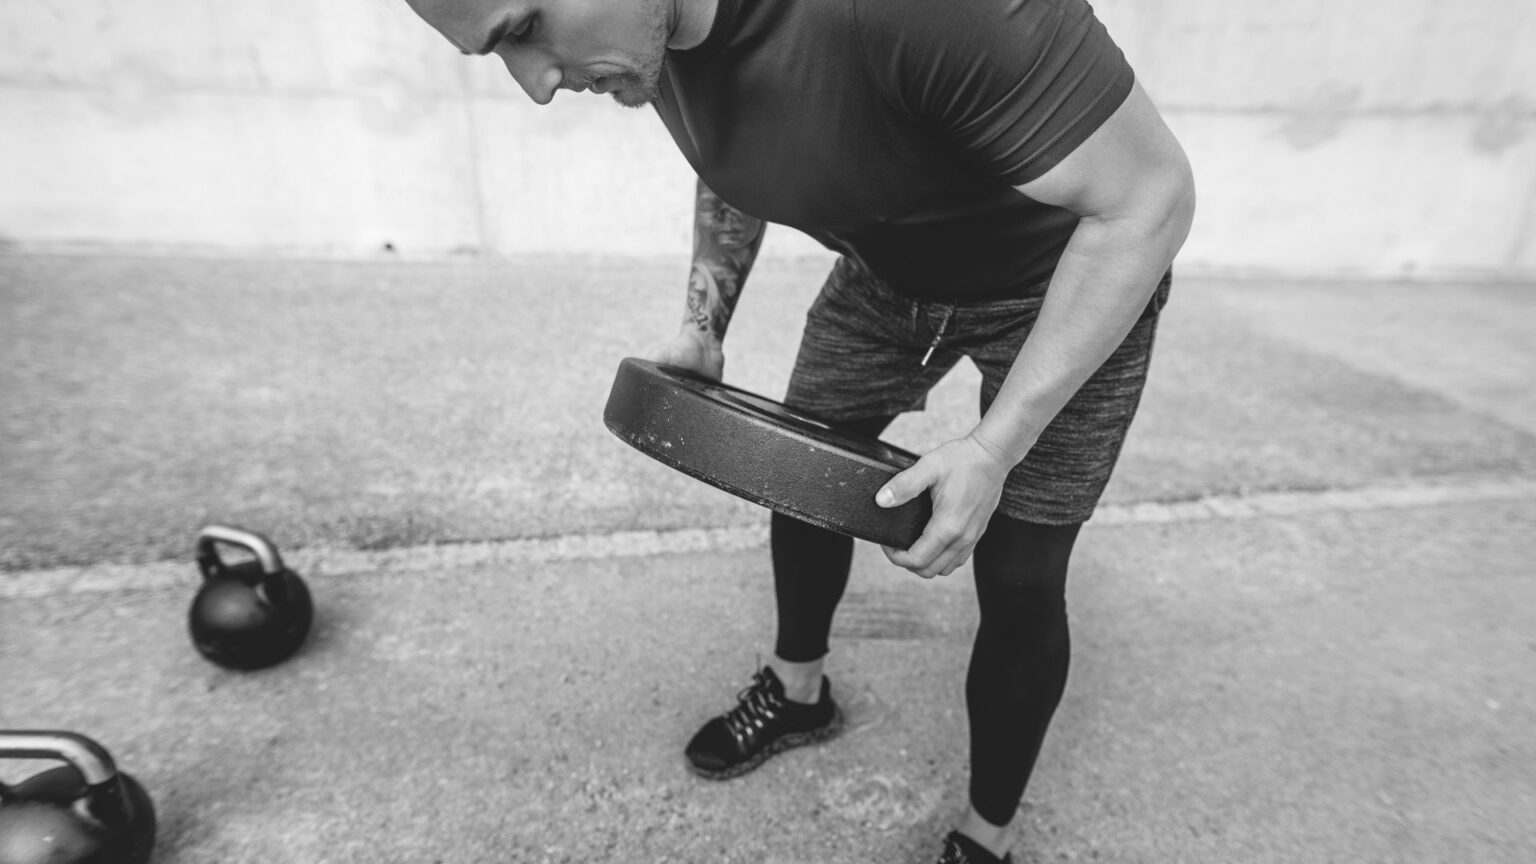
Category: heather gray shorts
[861,358]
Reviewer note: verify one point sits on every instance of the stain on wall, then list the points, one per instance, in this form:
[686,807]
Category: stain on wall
[1503,125]
[1321,117]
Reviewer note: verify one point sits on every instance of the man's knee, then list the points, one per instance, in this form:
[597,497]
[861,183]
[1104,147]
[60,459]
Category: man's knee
[1019,557]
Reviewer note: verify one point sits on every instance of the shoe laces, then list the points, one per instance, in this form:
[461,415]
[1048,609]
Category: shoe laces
[953,854]
[756,706]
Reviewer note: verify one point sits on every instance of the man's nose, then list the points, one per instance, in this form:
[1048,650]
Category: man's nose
[534,71]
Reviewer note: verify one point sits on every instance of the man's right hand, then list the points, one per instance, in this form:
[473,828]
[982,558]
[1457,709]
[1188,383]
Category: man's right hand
[691,349]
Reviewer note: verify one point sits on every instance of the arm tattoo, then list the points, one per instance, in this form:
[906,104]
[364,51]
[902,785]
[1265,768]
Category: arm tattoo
[725,244]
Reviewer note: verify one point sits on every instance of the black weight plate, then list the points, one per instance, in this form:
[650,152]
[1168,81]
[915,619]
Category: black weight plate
[763,451]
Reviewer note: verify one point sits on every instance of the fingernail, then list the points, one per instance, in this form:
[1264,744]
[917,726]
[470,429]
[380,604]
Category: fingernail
[885,498]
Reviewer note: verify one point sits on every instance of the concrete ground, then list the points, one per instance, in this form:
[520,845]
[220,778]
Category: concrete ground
[1304,619]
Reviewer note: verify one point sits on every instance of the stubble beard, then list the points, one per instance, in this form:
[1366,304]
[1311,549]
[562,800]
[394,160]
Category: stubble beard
[642,87]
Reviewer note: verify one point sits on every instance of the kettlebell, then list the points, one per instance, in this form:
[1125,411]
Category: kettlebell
[251,614]
[84,811]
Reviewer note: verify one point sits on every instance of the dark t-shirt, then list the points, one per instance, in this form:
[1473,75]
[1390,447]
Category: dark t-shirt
[894,131]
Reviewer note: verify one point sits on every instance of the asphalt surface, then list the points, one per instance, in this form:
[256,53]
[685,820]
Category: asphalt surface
[1304,621]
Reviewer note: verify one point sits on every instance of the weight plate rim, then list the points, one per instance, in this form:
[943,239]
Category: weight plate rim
[641,391]
[788,431]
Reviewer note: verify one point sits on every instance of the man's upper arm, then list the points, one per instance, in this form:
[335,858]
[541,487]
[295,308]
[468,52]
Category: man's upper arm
[1130,166]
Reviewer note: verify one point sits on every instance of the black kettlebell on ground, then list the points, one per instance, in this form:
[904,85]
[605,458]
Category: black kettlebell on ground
[84,811]
[251,614]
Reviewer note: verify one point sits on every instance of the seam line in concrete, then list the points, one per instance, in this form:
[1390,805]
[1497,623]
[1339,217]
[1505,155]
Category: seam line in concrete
[104,578]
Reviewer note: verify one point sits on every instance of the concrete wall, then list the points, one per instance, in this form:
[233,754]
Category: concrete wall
[1370,138]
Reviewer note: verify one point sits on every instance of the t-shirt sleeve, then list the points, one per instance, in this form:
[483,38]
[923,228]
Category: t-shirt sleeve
[1016,84]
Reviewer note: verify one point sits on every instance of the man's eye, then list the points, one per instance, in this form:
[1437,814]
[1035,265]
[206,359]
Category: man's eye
[524,30]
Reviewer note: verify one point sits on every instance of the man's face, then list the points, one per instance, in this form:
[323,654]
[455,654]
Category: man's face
[606,46]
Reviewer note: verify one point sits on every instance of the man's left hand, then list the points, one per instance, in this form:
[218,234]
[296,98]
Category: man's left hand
[966,481]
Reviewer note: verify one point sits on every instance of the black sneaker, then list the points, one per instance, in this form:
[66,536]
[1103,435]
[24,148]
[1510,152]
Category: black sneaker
[762,723]
[960,849]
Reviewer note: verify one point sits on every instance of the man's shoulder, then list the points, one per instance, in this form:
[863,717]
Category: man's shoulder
[927,53]
[919,18]
[889,19]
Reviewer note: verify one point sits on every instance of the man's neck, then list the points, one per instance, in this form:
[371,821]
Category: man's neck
[691,22]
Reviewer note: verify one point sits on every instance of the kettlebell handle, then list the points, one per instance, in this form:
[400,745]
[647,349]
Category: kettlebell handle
[89,758]
[208,556]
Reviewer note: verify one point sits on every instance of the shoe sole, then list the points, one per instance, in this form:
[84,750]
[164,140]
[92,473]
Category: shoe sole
[786,742]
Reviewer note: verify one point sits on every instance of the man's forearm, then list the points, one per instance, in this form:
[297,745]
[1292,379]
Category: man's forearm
[725,244]
[1102,284]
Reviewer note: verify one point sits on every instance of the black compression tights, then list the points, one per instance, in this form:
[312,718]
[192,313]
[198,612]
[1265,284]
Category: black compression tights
[1019,661]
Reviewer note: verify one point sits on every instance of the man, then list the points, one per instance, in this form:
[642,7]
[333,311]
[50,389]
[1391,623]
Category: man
[989,171]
